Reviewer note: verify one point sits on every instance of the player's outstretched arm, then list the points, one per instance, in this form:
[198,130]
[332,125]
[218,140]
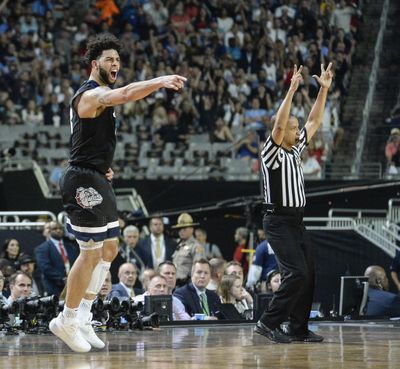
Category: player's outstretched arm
[315,118]
[282,116]
[104,96]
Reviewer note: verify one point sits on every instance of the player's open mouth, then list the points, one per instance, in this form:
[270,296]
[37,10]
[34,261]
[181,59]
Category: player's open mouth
[113,74]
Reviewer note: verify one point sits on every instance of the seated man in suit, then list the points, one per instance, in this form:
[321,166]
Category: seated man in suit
[156,248]
[158,286]
[124,290]
[168,270]
[55,258]
[195,296]
[380,301]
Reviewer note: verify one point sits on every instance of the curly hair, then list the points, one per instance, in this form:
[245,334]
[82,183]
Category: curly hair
[102,41]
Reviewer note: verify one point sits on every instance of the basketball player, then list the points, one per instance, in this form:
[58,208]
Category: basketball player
[85,185]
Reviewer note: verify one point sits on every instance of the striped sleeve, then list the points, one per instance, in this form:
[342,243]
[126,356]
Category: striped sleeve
[270,153]
[303,141]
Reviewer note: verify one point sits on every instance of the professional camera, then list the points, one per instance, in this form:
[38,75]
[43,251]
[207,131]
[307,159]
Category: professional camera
[115,314]
[36,312]
[7,310]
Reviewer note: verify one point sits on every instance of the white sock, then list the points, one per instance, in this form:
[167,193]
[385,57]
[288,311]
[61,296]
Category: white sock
[70,315]
[84,309]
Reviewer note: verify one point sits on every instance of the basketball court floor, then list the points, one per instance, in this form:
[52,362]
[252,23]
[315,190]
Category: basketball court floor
[349,345]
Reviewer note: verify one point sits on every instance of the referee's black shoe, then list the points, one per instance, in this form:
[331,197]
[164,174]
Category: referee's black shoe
[275,335]
[305,337]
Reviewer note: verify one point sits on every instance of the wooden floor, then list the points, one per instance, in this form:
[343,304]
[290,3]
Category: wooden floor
[346,345]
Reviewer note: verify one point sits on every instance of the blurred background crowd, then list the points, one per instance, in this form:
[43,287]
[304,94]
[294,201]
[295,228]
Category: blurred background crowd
[238,57]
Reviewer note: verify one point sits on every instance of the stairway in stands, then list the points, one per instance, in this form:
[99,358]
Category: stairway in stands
[387,90]
[353,102]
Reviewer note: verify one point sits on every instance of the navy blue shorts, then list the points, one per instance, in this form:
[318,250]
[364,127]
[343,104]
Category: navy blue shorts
[90,203]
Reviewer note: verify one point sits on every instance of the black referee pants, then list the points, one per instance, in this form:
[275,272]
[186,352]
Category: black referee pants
[288,238]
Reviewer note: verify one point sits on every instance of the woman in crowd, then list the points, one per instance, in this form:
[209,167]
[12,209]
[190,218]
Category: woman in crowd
[11,251]
[231,291]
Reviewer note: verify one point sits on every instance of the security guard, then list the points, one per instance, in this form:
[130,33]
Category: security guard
[189,249]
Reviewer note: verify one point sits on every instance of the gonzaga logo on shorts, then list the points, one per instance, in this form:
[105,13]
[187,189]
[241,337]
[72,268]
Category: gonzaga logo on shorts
[88,197]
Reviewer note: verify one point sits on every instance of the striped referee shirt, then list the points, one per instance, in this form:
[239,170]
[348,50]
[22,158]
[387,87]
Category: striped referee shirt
[283,173]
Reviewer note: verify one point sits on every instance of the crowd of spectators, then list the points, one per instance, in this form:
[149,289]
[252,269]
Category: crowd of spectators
[238,57]
[213,280]
[145,265]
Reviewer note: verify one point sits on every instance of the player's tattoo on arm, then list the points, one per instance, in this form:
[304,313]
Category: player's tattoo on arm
[104,101]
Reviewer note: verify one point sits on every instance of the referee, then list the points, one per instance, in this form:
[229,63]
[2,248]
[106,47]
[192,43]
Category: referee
[283,222]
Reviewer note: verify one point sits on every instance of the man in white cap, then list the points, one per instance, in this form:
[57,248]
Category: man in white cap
[189,249]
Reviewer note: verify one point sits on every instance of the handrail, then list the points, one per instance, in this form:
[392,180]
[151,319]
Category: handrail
[393,230]
[393,210]
[4,215]
[359,212]
[332,223]
[373,228]
[356,167]
[378,240]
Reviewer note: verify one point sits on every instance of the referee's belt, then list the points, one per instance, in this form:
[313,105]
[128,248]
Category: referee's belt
[284,210]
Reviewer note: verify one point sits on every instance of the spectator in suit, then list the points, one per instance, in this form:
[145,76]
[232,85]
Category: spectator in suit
[158,286]
[27,265]
[128,253]
[168,270]
[20,286]
[196,298]
[380,300]
[124,290]
[55,258]
[156,247]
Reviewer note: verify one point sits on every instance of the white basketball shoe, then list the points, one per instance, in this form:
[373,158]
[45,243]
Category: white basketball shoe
[69,333]
[89,334]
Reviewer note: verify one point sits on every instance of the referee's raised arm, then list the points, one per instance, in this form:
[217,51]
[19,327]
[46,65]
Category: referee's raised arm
[282,116]
[317,111]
